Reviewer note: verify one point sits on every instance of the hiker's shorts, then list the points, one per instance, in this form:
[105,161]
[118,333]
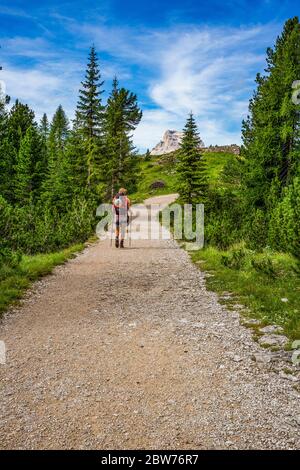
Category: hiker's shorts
[122,220]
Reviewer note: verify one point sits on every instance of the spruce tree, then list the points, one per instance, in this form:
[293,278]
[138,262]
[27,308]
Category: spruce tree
[44,130]
[5,149]
[147,156]
[191,169]
[28,177]
[59,130]
[271,131]
[21,117]
[44,127]
[89,121]
[122,115]
[18,120]
[89,111]
[56,184]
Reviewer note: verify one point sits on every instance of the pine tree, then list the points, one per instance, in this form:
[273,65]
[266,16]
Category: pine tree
[191,169]
[44,127]
[56,184]
[5,150]
[271,132]
[59,130]
[89,120]
[21,117]
[28,177]
[89,108]
[43,164]
[18,120]
[122,115]
[147,156]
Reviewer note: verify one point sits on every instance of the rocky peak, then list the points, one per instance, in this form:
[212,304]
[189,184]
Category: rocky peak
[169,143]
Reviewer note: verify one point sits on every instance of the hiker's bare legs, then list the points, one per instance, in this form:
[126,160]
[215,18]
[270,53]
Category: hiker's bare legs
[120,235]
[117,237]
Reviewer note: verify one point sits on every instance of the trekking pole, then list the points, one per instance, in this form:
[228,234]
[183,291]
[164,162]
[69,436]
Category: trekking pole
[130,221]
[111,228]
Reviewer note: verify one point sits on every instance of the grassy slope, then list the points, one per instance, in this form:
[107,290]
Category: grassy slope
[260,292]
[16,280]
[163,168]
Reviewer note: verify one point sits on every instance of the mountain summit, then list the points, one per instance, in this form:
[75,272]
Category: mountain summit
[169,143]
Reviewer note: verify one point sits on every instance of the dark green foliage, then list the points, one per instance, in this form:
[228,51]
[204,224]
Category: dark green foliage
[191,170]
[284,228]
[29,169]
[21,117]
[56,183]
[85,148]
[259,201]
[44,127]
[264,266]
[224,218]
[147,156]
[122,115]
[15,124]
[53,177]
[235,259]
[271,132]
[232,173]
[89,108]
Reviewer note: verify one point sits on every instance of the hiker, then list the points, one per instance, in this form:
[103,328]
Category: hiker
[121,204]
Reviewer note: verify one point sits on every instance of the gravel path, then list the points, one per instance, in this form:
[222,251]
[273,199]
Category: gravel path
[125,349]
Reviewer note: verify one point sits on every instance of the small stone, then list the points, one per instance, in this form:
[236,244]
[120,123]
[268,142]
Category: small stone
[252,321]
[262,358]
[290,377]
[271,329]
[237,358]
[273,340]
[198,325]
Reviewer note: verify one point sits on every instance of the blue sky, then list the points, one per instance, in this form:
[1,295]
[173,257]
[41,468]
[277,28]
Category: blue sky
[177,56]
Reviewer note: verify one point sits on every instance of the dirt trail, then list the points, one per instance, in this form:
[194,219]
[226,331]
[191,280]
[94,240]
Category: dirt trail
[127,349]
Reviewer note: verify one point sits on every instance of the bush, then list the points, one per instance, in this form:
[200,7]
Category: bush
[223,219]
[235,259]
[264,266]
[284,230]
[42,228]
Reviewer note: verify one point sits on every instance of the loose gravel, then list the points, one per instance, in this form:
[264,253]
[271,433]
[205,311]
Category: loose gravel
[126,349]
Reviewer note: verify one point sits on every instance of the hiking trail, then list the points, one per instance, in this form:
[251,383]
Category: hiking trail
[126,349]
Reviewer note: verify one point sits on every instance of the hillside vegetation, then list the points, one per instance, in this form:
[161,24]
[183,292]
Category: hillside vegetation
[163,169]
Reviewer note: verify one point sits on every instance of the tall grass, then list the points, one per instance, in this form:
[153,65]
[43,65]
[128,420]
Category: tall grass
[15,279]
[266,283]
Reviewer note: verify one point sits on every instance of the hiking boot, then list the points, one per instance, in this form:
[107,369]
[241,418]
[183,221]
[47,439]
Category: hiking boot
[117,243]
[122,244]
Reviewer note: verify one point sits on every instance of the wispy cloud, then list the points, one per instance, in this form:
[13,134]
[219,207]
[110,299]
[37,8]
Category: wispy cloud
[209,70]
[13,11]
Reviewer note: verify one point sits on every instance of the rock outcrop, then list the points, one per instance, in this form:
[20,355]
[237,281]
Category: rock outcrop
[233,148]
[169,143]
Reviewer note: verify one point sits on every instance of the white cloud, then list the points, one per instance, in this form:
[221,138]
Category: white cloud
[42,90]
[209,70]
[149,131]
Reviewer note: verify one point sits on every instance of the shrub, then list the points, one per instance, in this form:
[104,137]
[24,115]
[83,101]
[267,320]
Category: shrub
[264,266]
[235,259]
